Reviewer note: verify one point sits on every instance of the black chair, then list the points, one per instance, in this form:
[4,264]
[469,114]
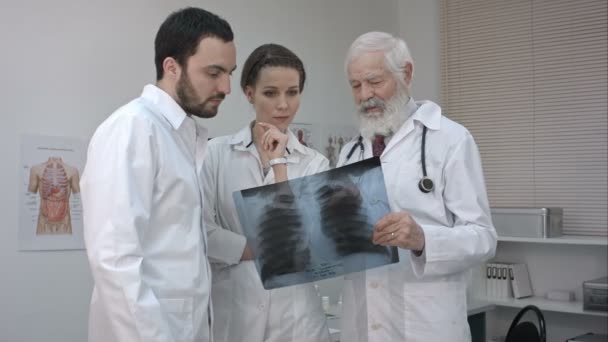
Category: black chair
[527,331]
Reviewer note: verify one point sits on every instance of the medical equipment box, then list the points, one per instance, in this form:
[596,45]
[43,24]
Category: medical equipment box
[595,294]
[528,222]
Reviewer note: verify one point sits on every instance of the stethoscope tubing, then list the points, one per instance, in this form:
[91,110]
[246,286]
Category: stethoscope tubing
[426,184]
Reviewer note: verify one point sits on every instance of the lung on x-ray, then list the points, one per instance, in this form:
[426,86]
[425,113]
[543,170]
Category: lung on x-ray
[318,226]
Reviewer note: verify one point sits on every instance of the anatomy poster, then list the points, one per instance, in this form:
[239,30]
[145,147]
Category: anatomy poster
[333,138]
[307,134]
[327,139]
[316,227]
[50,209]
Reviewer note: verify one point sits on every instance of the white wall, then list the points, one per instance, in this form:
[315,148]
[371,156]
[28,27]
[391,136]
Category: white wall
[67,64]
[419,26]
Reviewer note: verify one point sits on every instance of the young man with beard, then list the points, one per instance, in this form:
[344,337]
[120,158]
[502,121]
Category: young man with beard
[440,218]
[142,195]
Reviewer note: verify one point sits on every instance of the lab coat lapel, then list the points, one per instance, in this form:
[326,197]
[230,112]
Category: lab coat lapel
[402,133]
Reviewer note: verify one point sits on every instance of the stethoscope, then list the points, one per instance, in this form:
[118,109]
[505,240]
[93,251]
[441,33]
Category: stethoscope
[426,184]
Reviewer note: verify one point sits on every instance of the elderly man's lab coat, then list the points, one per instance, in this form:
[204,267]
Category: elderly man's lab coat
[423,299]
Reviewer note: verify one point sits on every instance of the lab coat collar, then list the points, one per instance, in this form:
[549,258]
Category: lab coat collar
[428,114]
[242,140]
[166,105]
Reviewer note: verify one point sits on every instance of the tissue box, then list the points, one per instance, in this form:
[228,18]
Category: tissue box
[528,222]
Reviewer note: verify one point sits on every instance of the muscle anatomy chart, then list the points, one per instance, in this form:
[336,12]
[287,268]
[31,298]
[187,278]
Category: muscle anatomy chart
[54,181]
[318,226]
[50,211]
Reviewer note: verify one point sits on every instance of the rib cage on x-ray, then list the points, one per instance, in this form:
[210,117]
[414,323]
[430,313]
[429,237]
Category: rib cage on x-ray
[283,247]
[318,226]
[343,220]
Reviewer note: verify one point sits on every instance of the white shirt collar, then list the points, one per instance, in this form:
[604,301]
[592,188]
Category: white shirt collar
[167,106]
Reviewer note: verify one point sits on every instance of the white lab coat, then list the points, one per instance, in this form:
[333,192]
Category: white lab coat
[424,298]
[243,309]
[143,229]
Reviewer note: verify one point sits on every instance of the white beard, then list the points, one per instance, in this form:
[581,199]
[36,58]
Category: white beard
[386,122]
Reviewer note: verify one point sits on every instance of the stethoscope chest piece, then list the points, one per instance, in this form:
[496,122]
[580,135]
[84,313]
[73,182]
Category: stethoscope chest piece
[426,185]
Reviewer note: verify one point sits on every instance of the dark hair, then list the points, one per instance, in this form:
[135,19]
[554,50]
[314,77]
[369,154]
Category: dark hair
[182,31]
[270,55]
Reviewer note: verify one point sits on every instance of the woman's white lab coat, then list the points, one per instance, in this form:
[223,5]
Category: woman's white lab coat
[424,298]
[243,309]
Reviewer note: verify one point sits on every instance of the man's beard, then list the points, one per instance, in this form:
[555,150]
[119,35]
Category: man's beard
[191,103]
[386,122]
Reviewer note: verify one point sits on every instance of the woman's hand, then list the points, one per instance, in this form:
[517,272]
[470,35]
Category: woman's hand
[272,141]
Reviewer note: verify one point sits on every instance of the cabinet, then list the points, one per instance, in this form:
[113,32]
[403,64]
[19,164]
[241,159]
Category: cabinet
[561,263]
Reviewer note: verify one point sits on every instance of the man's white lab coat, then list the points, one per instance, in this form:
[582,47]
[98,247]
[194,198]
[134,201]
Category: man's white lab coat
[424,298]
[142,205]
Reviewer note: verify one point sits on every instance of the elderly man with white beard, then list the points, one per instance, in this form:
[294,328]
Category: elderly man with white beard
[440,218]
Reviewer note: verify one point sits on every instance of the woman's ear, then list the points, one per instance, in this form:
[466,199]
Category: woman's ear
[249,91]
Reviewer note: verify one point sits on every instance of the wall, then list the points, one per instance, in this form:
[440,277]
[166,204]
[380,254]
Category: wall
[419,26]
[67,64]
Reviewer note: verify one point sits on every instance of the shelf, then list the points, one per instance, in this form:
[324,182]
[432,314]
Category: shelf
[475,306]
[563,240]
[575,307]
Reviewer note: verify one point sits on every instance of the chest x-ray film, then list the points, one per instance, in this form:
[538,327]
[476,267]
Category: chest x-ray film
[318,226]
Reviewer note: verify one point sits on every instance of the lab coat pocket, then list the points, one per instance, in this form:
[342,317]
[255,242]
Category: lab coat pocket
[354,320]
[406,193]
[178,312]
[222,292]
[435,307]
[220,274]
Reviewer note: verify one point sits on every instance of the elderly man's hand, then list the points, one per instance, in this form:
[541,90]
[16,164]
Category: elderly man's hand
[399,229]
